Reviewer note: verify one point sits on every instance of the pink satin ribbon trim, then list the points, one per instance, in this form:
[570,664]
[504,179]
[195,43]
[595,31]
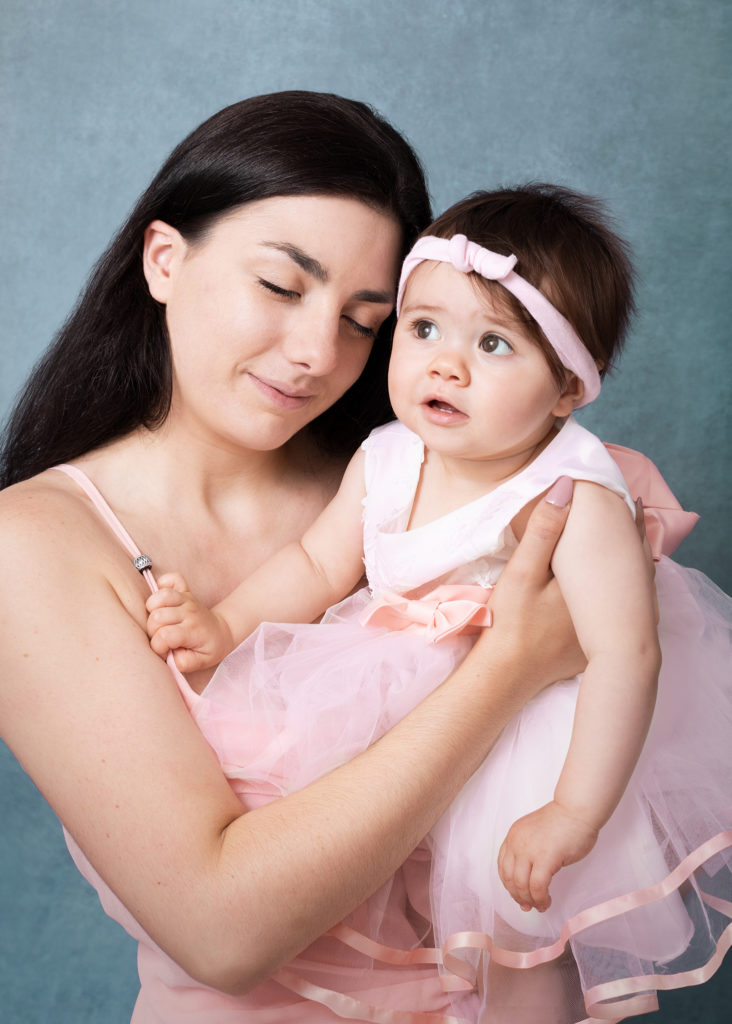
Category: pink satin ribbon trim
[386,954]
[354,1009]
[716,903]
[443,612]
[585,919]
[667,523]
[461,975]
[697,976]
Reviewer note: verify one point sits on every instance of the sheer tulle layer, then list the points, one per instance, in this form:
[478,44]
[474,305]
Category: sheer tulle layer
[648,908]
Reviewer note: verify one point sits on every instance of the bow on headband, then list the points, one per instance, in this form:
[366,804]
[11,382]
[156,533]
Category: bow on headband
[469,257]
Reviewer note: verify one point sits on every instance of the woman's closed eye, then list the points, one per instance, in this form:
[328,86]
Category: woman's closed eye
[495,344]
[275,289]
[361,329]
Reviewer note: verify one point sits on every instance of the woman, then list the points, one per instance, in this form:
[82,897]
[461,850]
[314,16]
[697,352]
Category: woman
[235,329]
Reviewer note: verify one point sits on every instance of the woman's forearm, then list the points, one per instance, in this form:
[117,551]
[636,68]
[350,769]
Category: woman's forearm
[337,840]
[329,846]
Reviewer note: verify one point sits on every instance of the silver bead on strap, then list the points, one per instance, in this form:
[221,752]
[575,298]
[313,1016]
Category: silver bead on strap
[142,562]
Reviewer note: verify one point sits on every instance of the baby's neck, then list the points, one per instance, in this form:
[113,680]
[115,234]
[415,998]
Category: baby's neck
[448,483]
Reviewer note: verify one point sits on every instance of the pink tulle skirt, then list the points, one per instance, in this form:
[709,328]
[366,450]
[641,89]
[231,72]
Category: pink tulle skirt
[650,907]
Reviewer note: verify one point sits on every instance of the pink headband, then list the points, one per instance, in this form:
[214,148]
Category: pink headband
[469,256]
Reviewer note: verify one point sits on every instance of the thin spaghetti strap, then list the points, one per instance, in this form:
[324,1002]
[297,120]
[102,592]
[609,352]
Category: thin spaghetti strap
[141,562]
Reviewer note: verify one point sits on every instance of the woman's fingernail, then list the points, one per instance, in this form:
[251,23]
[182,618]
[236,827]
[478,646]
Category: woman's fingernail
[640,518]
[561,492]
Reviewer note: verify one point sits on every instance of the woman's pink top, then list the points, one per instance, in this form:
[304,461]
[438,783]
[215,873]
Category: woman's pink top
[341,975]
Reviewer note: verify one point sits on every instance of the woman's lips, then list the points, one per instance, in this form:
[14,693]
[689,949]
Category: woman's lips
[283,395]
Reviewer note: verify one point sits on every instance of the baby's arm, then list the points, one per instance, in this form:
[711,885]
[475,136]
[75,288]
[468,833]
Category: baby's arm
[295,585]
[601,569]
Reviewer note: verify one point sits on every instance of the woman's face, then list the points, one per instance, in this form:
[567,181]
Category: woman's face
[273,313]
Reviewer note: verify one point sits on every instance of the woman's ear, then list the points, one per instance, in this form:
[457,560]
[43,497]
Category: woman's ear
[161,245]
[570,398]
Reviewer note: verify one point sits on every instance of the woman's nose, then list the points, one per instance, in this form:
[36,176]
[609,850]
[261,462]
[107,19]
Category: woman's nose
[313,345]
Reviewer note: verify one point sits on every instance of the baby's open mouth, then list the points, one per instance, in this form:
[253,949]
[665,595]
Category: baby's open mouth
[441,406]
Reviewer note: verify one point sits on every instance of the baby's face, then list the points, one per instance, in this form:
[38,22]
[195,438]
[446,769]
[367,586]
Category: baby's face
[467,378]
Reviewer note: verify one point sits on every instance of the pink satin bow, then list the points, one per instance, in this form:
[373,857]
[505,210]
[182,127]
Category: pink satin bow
[667,523]
[466,256]
[443,612]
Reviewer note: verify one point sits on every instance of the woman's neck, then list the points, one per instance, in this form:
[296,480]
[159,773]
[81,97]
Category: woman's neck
[212,513]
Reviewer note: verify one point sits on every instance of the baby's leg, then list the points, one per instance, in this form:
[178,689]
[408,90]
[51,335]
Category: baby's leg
[549,993]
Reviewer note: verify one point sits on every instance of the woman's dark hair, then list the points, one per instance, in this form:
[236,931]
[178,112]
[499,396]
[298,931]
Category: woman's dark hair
[109,369]
[566,247]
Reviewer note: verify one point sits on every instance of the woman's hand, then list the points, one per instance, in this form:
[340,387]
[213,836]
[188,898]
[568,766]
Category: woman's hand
[531,623]
[640,525]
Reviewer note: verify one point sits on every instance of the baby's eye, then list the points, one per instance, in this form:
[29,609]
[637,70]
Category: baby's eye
[495,343]
[426,330]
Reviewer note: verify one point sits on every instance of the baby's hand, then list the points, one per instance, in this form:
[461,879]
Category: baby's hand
[177,622]
[536,847]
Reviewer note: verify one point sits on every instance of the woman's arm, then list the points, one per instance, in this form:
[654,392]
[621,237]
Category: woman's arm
[95,718]
[295,585]
[602,570]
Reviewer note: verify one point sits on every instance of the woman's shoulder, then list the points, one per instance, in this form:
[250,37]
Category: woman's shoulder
[43,503]
[52,536]
[50,501]
[44,527]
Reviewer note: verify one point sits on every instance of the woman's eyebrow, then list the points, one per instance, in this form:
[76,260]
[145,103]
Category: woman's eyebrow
[317,270]
[305,262]
[383,298]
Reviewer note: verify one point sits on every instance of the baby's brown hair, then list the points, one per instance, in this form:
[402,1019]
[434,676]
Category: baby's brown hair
[566,247]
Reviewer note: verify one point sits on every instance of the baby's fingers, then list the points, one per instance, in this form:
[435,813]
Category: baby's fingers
[190,661]
[166,598]
[164,616]
[169,638]
[173,581]
[520,889]
[539,887]
[514,873]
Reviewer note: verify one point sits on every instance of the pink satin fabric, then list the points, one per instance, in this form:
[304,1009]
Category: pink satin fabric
[667,523]
[444,611]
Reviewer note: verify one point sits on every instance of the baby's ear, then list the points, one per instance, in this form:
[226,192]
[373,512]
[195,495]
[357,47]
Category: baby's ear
[570,398]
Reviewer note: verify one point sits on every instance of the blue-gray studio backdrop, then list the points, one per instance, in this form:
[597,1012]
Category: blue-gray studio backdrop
[626,99]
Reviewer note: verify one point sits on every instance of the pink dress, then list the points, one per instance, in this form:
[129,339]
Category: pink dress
[651,905]
[335,978]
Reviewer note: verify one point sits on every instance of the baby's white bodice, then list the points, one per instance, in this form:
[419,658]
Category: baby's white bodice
[473,543]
